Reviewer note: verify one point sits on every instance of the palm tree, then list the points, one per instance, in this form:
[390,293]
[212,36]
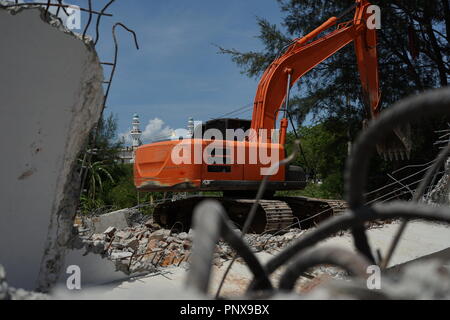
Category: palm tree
[95,172]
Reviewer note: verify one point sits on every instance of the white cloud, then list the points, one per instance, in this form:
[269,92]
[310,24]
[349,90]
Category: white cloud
[156,129]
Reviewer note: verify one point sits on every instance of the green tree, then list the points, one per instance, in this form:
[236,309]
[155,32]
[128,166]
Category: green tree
[123,193]
[413,56]
[325,150]
[109,183]
[97,163]
[107,145]
[96,173]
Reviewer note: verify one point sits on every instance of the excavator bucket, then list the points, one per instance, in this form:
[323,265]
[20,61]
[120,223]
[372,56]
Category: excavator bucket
[397,145]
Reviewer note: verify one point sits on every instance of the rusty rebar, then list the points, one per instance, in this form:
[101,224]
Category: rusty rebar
[54,5]
[97,25]
[105,98]
[89,19]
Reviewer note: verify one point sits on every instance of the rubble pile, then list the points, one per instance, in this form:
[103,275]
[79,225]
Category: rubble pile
[144,246]
[138,245]
[140,248]
[272,242]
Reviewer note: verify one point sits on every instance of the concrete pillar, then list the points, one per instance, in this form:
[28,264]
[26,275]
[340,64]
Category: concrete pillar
[50,98]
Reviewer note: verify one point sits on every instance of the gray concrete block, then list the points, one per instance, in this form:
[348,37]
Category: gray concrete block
[117,219]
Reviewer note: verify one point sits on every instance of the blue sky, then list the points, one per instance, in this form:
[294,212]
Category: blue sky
[178,73]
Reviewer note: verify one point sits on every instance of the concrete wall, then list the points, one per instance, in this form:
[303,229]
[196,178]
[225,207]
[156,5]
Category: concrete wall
[50,97]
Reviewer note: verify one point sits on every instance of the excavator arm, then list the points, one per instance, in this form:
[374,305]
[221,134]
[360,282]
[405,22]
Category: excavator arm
[304,54]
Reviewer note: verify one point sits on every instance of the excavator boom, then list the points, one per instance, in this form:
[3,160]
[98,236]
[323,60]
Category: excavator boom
[306,53]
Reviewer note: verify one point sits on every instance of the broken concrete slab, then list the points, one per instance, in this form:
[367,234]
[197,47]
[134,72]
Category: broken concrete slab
[119,219]
[168,285]
[95,270]
[419,239]
[132,244]
[159,235]
[51,88]
[120,255]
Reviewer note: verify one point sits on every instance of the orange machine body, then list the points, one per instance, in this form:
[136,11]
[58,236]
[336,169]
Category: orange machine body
[155,169]
[158,168]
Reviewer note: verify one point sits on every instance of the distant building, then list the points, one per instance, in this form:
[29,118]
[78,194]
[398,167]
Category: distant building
[126,155]
[136,132]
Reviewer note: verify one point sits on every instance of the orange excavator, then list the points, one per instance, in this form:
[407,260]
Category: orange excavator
[208,162]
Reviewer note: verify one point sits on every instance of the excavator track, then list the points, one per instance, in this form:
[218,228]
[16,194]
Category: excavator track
[278,215]
[273,215]
[338,206]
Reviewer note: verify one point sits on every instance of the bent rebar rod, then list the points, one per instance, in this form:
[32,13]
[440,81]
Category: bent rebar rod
[355,264]
[211,224]
[387,211]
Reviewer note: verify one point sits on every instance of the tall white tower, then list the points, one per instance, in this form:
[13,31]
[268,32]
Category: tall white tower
[190,128]
[136,132]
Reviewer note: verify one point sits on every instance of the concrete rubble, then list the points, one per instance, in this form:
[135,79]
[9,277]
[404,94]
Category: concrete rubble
[160,257]
[119,219]
[143,247]
[161,252]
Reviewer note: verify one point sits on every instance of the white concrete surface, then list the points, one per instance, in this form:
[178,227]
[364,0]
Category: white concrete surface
[50,98]
[420,239]
[166,286]
[95,270]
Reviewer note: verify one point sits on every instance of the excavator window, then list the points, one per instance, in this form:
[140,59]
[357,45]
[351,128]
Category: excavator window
[223,125]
